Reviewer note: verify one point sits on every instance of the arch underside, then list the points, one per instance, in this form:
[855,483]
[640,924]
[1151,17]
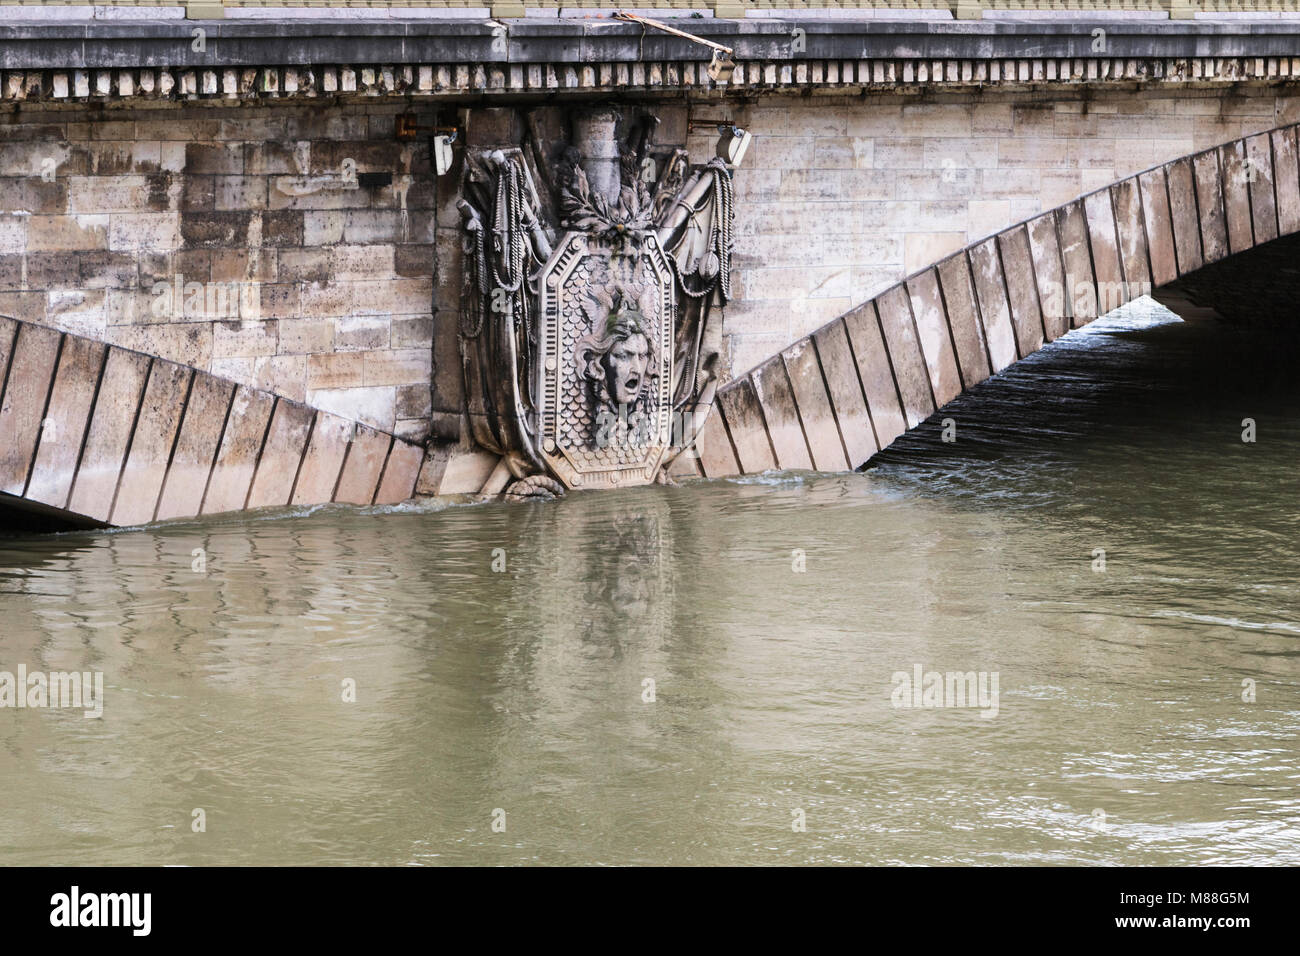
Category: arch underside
[1189,232]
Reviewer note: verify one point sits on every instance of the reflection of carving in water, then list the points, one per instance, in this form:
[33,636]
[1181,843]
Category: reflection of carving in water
[607,582]
[626,594]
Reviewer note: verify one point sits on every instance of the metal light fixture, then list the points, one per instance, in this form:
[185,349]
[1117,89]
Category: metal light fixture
[733,140]
[732,144]
[440,146]
[721,65]
[442,156]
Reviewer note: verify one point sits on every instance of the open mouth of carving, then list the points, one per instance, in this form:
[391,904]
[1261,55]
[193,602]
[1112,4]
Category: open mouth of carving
[633,383]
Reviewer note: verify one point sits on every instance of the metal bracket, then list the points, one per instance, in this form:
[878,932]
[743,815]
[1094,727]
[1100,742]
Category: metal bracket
[719,124]
[407,128]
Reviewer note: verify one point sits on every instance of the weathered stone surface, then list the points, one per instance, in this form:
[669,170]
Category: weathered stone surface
[717,460]
[685,466]
[152,230]
[1080,287]
[153,438]
[859,191]
[1210,202]
[1159,226]
[111,425]
[883,402]
[323,462]
[1286,175]
[466,54]
[400,473]
[1022,290]
[1259,180]
[241,444]
[152,443]
[1084,258]
[744,418]
[964,319]
[8,332]
[61,233]
[1102,237]
[433,467]
[772,386]
[65,421]
[196,447]
[1235,181]
[815,412]
[910,373]
[31,373]
[1130,224]
[936,341]
[361,469]
[286,441]
[846,396]
[1045,250]
[1183,212]
[990,288]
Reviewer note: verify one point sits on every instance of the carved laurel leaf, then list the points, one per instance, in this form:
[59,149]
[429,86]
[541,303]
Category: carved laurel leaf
[583,209]
[627,203]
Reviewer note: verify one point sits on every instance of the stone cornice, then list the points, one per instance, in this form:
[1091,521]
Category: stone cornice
[261,59]
[286,84]
[258,43]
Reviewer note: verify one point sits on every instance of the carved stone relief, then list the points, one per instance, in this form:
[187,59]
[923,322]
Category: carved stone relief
[597,265]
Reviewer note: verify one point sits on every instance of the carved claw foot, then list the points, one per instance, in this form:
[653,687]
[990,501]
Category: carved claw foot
[534,488]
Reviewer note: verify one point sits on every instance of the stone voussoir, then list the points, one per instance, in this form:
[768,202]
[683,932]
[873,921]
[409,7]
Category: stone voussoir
[107,436]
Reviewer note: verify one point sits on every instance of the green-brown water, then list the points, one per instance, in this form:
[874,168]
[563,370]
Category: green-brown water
[1120,691]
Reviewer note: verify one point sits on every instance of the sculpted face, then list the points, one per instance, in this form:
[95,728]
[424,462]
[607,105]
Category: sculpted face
[625,368]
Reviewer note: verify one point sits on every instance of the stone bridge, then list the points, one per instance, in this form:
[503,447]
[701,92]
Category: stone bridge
[926,200]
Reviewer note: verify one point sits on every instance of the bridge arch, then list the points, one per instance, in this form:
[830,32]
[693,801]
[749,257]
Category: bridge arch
[95,435]
[832,399]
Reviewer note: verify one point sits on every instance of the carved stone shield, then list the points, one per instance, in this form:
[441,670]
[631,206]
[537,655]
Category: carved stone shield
[587,442]
[591,329]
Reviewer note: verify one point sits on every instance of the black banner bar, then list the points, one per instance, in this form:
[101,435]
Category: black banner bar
[1171,907]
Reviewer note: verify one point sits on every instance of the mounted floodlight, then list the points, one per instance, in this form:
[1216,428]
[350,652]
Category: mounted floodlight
[442,155]
[721,65]
[440,145]
[732,144]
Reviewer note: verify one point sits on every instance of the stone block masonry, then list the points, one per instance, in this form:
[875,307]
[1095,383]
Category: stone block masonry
[1214,231]
[237,241]
[840,198]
